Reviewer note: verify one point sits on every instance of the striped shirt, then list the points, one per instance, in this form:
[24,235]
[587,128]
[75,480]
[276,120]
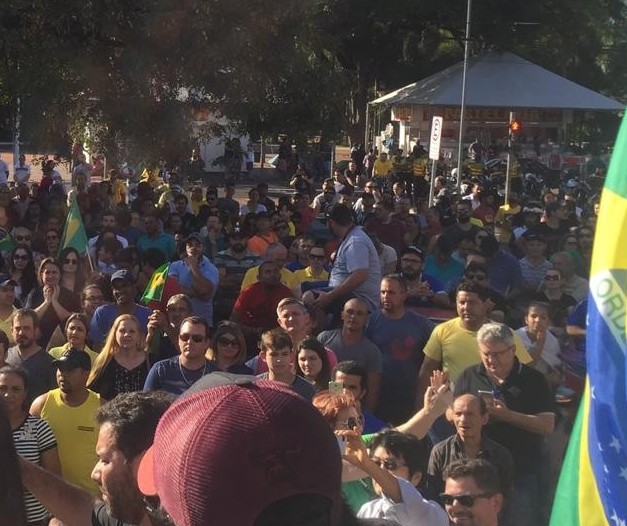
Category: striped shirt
[531,274]
[33,438]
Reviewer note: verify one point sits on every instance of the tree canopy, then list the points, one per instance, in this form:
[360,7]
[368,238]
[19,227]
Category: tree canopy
[126,75]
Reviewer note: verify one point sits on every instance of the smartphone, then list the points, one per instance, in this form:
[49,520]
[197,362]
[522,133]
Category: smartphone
[336,387]
[488,396]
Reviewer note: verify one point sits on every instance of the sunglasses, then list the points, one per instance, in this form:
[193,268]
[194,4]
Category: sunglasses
[22,238]
[70,261]
[197,338]
[390,465]
[350,423]
[478,277]
[20,258]
[467,501]
[316,256]
[223,340]
[551,277]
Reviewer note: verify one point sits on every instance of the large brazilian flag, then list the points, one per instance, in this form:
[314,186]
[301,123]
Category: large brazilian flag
[592,490]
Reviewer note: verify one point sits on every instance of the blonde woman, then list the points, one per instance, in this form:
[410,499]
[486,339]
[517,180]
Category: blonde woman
[122,365]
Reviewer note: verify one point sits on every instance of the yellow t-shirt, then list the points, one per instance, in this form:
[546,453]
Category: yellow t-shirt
[57,352]
[305,274]
[77,433]
[118,193]
[252,276]
[457,348]
[7,326]
[381,168]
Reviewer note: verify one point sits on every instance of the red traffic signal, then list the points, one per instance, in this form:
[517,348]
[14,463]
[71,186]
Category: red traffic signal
[514,129]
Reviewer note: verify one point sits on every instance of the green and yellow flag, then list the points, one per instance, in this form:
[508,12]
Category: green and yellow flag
[74,232]
[593,484]
[156,285]
[7,243]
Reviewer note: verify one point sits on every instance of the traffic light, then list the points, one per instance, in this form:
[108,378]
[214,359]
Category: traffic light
[514,129]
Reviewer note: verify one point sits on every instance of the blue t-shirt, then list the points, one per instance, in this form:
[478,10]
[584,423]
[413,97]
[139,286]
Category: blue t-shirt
[179,270]
[170,376]
[357,252]
[444,273]
[164,242]
[422,301]
[401,342]
[504,272]
[104,317]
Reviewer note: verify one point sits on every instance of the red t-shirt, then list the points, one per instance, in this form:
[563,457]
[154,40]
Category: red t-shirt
[256,305]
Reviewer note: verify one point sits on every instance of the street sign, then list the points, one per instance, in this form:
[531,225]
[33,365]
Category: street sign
[436,135]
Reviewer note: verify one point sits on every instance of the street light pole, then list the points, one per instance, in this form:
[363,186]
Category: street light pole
[463,105]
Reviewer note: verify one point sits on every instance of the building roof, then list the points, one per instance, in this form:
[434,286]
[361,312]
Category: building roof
[503,80]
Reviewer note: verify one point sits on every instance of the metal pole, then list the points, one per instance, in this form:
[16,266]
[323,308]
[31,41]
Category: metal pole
[463,105]
[509,157]
[432,184]
[16,131]
[366,130]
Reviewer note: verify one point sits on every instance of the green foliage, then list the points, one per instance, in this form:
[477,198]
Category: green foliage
[125,75]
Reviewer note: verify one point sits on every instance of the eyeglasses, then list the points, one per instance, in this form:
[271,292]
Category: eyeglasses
[551,277]
[70,261]
[20,257]
[223,340]
[22,238]
[197,338]
[493,355]
[467,501]
[390,465]
[350,423]
[478,277]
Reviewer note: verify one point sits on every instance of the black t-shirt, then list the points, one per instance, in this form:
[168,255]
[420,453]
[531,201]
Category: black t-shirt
[100,517]
[553,236]
[525,391]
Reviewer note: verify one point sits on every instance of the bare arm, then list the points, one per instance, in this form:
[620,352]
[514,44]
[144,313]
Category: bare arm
[349,284]
[355,452]
[424,377]
[38,404]
[573,330]
[50,461]
[542,423]
[438,397]
[68,503]
[374,389]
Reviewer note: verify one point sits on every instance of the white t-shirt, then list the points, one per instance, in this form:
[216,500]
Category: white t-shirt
[550,354]
[415,510]
[388,255]
[21,174]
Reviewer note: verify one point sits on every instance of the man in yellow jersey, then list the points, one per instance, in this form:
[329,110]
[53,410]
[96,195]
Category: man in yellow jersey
[453,345]
[70,411]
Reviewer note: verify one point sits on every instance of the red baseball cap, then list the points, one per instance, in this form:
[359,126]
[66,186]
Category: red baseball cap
[224,454]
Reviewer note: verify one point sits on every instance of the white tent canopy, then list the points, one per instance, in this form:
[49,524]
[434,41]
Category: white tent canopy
[503,80]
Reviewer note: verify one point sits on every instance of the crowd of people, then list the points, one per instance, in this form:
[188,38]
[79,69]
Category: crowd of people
[427,346]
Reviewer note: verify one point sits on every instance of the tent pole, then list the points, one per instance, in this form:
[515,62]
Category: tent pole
[463,105]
